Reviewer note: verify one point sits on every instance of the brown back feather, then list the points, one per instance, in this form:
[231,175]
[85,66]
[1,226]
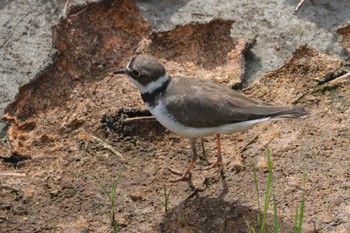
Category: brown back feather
[202,103]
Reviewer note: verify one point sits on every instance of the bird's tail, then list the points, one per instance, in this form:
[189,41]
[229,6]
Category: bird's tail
[292,112]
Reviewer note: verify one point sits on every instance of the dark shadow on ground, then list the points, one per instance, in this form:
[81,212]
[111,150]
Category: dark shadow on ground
[213,214]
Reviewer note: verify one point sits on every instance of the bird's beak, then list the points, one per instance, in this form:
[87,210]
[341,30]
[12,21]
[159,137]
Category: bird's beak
[121,71]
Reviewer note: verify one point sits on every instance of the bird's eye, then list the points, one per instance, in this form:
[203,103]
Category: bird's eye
[136,73]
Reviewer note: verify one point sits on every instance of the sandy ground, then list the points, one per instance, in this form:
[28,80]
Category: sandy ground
[73,121]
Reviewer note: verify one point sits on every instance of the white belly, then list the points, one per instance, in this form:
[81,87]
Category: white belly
[168,121]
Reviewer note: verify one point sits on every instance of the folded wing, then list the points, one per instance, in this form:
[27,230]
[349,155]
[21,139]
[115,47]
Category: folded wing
[207,104]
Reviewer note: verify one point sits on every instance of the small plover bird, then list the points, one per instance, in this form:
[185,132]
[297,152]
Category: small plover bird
[195,108]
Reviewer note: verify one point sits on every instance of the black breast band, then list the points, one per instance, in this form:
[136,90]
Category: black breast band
[149,98]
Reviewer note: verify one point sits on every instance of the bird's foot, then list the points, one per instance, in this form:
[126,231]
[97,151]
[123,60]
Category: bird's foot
[184,176]
[218,163]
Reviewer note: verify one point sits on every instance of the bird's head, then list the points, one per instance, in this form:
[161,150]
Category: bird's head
[146,72]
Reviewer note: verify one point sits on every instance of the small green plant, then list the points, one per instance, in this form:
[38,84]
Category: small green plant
[299,212]
[318,92]
[112,198]
[166,196]
[275,214]
[261,218]
[322,89]
[267,191]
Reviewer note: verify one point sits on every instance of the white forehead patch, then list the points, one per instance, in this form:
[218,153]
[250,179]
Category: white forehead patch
[128,65]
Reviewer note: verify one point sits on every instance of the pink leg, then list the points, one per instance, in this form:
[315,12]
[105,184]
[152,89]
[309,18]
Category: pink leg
[183,176]
[218,162]
[187,174]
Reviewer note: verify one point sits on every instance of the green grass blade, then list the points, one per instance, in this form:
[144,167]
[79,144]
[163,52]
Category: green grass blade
[257,194]
[250,228]
[296,217]
[275,214]
[102,186]
[267,192]
[301,214]
[166,196]
[302,206]
[115,185]
[112,198]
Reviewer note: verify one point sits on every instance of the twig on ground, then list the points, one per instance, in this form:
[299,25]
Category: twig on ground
[107,146]
[65,9]
[301,2]
[13,174]
[298,98]
[135,119]
[78,13]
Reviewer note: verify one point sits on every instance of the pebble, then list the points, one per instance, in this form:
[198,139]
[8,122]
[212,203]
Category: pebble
[137,196]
